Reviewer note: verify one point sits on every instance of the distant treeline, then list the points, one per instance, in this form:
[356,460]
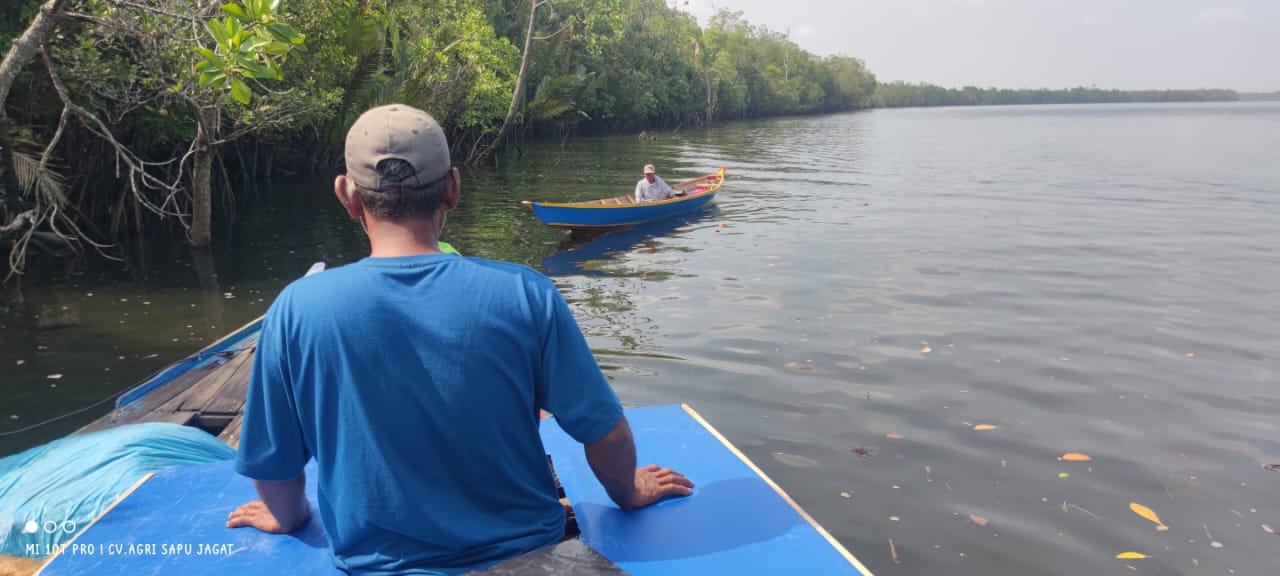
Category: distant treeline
[1251,96]
[901,94]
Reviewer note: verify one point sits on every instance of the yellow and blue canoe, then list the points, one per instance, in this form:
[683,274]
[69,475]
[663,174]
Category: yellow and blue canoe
[623,211]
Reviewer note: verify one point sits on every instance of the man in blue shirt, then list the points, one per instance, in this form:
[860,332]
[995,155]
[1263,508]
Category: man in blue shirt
[416,380]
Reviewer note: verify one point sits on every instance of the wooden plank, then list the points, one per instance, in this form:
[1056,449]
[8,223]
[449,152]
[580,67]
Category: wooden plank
[186,385]
[203,392]
[230,398]
[231,434]
[181,418]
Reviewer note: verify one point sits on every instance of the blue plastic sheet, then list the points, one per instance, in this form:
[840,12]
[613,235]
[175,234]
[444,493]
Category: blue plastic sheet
[50,493]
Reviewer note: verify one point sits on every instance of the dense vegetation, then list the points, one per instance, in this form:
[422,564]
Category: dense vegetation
[900,94]
[125,114]
[120,118]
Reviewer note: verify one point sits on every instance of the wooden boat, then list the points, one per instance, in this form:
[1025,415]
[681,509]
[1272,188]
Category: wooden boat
[622,211]
[738,520]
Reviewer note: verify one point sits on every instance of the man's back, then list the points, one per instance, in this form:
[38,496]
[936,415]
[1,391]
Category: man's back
[416,382]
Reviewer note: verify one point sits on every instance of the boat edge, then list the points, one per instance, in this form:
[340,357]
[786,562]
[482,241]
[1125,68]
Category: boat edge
[778,489]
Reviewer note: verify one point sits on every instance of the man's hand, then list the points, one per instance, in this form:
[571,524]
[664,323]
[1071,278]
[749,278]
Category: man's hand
[256,514]
[613,460]
[282,509]
[654,484]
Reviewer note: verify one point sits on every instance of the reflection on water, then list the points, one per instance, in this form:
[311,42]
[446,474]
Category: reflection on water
[601,274]
[603,253]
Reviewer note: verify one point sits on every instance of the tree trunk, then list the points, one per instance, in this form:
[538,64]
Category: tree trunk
[21,52]
[517,96]
[202,181]
[10,190]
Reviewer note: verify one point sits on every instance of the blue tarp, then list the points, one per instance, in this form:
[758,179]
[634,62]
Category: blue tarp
[49,493]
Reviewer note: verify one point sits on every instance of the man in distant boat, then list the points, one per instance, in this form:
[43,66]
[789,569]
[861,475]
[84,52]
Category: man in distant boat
[651,187]
[416,379]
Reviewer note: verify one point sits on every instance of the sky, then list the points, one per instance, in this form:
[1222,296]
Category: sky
[1124,44]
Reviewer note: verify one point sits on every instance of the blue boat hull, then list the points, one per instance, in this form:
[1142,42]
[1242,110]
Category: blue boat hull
[623,211]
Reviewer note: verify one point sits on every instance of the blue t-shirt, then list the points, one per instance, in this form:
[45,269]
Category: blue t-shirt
[416,382]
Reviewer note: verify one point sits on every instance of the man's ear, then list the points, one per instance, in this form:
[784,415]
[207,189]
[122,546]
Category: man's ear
[452,190]
[345,189]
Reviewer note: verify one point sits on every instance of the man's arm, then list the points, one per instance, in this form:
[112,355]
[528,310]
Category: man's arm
[613,460]
[282,509]
[667,192]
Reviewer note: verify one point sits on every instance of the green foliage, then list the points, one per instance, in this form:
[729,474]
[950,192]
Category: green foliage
[250,42]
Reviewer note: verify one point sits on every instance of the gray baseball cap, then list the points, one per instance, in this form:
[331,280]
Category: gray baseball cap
[400,132]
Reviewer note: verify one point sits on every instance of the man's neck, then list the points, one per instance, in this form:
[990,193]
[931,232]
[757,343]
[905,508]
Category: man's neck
[405,237]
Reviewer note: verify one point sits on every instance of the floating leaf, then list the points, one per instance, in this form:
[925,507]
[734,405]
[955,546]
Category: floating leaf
[1131,556]
[1063,475]
[978,519]
[892,436]
[1191,354]
[985,427]
[1076,457]
[926,350]
[1149,514]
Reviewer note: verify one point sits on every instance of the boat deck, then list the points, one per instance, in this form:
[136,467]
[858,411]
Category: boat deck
[210,397]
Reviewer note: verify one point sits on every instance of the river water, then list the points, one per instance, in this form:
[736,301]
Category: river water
[905,317]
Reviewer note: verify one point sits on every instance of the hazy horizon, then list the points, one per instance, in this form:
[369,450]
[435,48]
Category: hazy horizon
[1054,44]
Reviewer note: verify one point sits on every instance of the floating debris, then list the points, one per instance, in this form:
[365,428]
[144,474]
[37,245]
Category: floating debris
[893,436]
[1131,556]
[54,376]
[985,427]
[1149,514]
[893,552]
[979,520]
[1212,542]
[1076,457]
